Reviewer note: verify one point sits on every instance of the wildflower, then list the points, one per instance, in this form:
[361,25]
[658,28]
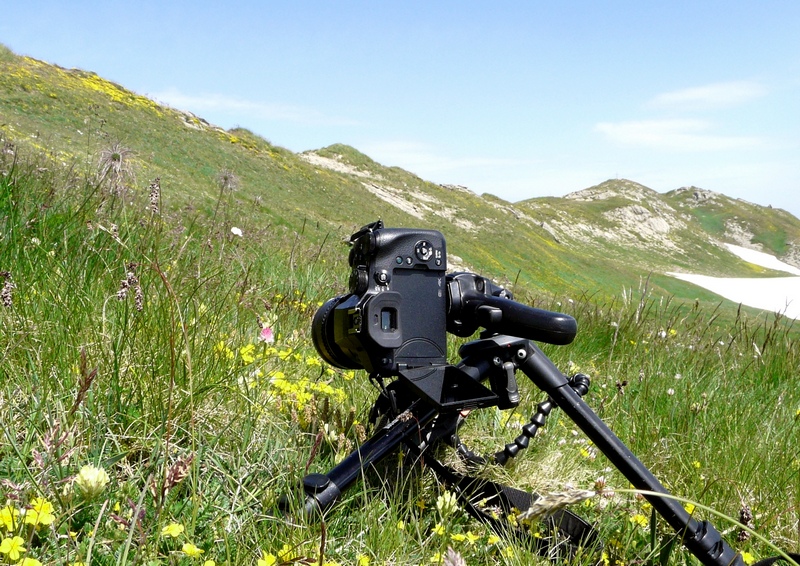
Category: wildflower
[173,530]
[453,558]
[221,349]
[8,287]
[401,525]
[689,508]
[362,560]
[28,561]
[191,550]
[8,517]
[91,481]
[287,553]
[438,529]
[492,539]
[209,563]
[236,231]
[267,335]
[748,558]
[267,559]
[155,195]
[40,513]
[447,503]
[639,520]
[12,547]
[248,353]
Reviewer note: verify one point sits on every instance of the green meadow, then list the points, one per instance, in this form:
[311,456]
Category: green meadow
[159,391]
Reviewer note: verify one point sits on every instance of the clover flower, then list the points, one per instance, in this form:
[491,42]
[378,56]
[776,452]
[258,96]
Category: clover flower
[91,481]
[267,335]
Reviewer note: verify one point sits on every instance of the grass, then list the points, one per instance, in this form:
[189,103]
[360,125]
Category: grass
[130,348]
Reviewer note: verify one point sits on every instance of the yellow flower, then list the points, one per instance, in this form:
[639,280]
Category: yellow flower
[173,530]
[91,481]
[640,520]
[209,563]
[748,558]
[28,561]
[362,560]
[248,353]
[191,550]
[12,547]
[472,538]
[492,539]
[401,526]
[458,537]
[40,513]
[267,559]
[689,508]
[438,529]
[287,553]
[8,517]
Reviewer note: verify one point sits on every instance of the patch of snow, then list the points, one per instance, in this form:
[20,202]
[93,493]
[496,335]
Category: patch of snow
[774,294]
[763,259]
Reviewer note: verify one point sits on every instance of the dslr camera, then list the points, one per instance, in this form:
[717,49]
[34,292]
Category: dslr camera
[395,316]
[400,306]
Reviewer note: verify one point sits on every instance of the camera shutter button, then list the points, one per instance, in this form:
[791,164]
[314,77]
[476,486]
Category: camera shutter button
[382,278]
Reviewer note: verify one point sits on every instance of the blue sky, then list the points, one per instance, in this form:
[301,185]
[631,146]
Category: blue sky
[518,99]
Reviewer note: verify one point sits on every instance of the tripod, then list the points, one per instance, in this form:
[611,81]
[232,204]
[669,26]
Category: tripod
[419,423]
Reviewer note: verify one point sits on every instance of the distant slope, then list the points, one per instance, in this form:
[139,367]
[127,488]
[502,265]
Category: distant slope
[597,240]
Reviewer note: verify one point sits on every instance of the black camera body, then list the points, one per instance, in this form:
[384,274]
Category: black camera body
[395,316]
[401,305]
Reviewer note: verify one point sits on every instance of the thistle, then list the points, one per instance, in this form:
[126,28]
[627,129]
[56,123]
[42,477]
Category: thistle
[115,165]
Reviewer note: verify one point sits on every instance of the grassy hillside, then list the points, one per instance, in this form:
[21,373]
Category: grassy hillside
[159,390]
[76,116]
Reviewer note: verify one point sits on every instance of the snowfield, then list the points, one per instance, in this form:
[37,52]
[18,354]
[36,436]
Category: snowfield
[775,294]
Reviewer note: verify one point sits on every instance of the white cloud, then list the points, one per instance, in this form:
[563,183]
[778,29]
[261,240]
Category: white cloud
[715,95]
[674,134]
[246,109]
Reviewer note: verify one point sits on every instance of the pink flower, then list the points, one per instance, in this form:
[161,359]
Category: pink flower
[266,336]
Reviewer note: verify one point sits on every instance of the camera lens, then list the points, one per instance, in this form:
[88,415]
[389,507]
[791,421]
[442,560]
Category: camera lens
[323,336]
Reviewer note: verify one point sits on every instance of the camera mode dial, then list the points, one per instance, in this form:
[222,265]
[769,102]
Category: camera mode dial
[424,250]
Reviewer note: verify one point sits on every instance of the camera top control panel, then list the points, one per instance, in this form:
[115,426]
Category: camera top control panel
[377,252]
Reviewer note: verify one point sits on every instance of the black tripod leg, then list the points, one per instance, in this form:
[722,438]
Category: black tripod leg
[701,538]
[322,490]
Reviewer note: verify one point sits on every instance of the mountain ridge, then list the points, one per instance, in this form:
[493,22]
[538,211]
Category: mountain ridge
[597,239]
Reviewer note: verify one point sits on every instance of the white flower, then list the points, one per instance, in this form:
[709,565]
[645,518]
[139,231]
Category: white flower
[236,231]
[91,481]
